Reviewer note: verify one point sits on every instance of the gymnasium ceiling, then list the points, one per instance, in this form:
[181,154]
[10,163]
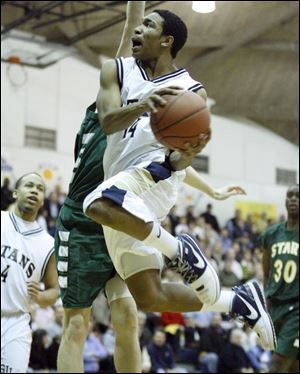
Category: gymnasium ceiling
[246,53]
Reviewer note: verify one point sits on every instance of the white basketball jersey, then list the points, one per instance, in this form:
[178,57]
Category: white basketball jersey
[25,251]
[136,145]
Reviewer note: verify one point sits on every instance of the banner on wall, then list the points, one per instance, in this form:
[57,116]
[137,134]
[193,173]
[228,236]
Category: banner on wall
[50,173]
[256,209]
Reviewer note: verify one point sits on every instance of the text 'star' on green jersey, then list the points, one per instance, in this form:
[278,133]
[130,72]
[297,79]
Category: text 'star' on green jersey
[283,251]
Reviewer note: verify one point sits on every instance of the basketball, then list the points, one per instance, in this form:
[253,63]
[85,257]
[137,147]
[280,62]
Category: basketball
[181,120]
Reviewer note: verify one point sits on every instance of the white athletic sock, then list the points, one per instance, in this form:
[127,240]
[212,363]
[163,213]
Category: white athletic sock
[223,305]
[160,239]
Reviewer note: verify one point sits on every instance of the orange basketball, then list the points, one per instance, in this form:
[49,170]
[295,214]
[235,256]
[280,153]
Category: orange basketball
[181,121]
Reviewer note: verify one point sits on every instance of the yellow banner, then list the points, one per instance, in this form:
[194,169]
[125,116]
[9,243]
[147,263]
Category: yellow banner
[256,209]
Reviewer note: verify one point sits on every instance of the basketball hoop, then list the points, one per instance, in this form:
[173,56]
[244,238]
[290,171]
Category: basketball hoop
[16,72]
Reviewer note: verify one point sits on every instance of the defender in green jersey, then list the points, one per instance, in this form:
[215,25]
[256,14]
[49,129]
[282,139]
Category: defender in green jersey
[83,264]
[280,245]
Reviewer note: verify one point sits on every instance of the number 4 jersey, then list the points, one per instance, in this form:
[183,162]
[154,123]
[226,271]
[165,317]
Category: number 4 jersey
[283,249]
[25,251]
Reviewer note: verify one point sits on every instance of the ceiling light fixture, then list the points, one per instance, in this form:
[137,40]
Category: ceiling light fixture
[204,6]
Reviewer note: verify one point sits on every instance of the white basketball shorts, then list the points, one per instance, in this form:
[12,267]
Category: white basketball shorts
[16,340]
[149,194]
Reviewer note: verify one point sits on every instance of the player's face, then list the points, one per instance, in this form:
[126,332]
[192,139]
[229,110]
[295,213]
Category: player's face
[147,40]
[292,200]
[30,194]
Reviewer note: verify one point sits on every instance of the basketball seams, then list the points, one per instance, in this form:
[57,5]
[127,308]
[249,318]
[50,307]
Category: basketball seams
[169,107]
[191,115]
[182,120]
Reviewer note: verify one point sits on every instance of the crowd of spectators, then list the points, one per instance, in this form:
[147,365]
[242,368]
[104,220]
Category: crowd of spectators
[170,342]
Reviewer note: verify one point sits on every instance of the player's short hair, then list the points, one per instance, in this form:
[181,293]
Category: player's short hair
[19,181]
[160,329]
[173,25]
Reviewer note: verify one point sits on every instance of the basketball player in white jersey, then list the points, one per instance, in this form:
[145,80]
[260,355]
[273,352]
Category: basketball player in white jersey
[141,184]
[26,260]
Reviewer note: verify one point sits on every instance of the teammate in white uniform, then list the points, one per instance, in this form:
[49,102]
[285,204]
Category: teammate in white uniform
[141,185]
[26,259]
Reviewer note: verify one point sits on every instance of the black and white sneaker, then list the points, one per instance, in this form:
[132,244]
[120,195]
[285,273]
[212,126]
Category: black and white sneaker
[196,270]
[249,305]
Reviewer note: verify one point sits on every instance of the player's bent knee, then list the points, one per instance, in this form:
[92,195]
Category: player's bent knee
[127,316]
[77,329]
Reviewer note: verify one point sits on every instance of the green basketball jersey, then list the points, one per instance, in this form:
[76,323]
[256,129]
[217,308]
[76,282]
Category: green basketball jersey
[89,150]
[283,250]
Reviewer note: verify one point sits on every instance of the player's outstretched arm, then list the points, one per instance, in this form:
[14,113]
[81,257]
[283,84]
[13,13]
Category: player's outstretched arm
[193,179]
[134,14]
[51,293]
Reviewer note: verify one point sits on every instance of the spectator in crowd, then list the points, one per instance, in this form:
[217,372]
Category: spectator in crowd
[236,266]
[202,320]
[190,214]
[52,226]
[254,237]
[259,273]
[232,222]
[262,222]
[161,354]
[257,255]
[171,318]
[189,344]
[52,206]
[42,218]
[247,266]
[196,230]
[41,317]
[239,231]
[93,352]
[60,194]
[213,257]
[145,338]
[226,241]
[217,252]
[52,353]
[233,358]
[146,362]
[182,226]
[212,342]
[101,311]
[145,335]
[109,342]
[210,218]
[227,277]
[211,236]
[6,194]
[39,350]
[173,324]
[249,223]
[260,358]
